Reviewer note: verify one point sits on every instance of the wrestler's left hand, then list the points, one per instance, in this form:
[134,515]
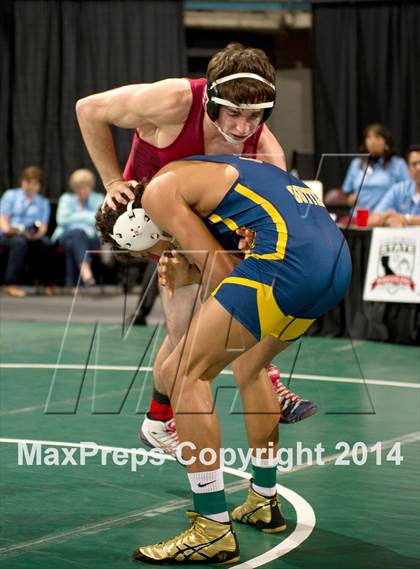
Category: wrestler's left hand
[174,271]
[248,238]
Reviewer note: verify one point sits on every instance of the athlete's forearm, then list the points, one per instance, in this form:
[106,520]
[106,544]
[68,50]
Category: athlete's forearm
[99,142]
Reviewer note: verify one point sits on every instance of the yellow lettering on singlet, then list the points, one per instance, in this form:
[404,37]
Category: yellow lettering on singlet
[305,195]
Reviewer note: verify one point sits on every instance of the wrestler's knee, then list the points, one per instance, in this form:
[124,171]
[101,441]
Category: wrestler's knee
[245,370]
[189,368]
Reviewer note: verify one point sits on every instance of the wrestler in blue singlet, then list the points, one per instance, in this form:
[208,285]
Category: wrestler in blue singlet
[299,266]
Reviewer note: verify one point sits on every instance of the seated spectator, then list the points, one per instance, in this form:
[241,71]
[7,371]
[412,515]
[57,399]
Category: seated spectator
[376,175]
[400,206]
[75,229]
[24,217]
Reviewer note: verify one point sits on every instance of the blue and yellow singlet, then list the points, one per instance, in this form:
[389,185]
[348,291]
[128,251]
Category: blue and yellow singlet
[299,266]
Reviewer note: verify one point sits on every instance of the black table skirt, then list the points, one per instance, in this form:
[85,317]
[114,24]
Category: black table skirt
[385,321]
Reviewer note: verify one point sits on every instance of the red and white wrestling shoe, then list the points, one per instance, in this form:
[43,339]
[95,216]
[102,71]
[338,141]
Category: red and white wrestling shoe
[159,434]
[293,407]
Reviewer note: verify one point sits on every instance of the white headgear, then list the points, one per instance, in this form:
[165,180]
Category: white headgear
[135,231]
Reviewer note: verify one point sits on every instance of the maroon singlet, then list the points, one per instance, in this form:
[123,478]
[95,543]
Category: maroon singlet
[145,159]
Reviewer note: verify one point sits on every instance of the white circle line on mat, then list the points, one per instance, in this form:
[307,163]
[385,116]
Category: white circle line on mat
[305,523]
[305,515]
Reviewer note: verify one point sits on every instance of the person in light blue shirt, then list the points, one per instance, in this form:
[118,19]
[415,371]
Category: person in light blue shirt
[24,217]
[400,206]
[75,229]
[376,175]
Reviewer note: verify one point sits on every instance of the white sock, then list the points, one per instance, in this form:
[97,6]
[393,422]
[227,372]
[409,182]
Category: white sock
[263,491]
[222,517]
[207,481]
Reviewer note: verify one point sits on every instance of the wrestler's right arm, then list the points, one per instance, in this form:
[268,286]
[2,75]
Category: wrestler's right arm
[147,107]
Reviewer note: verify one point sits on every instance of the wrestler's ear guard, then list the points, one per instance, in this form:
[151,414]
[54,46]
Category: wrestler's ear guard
[214,101]
[135,231]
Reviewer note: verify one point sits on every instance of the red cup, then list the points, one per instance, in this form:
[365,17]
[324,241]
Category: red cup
[362,216]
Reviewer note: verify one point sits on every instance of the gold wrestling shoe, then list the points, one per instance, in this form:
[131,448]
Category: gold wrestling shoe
[206,541]
[260,512]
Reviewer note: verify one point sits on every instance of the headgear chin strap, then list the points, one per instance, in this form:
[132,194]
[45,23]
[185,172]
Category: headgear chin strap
[230,139]
[214,101]
[135,231]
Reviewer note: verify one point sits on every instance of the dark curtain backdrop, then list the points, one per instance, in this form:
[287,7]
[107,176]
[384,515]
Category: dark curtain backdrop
[366,68]
[53,53]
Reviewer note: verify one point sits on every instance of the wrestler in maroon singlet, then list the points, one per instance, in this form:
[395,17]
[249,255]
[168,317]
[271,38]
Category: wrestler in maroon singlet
[145,159]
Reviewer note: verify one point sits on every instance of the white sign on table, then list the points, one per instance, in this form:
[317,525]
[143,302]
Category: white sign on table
[393,273]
